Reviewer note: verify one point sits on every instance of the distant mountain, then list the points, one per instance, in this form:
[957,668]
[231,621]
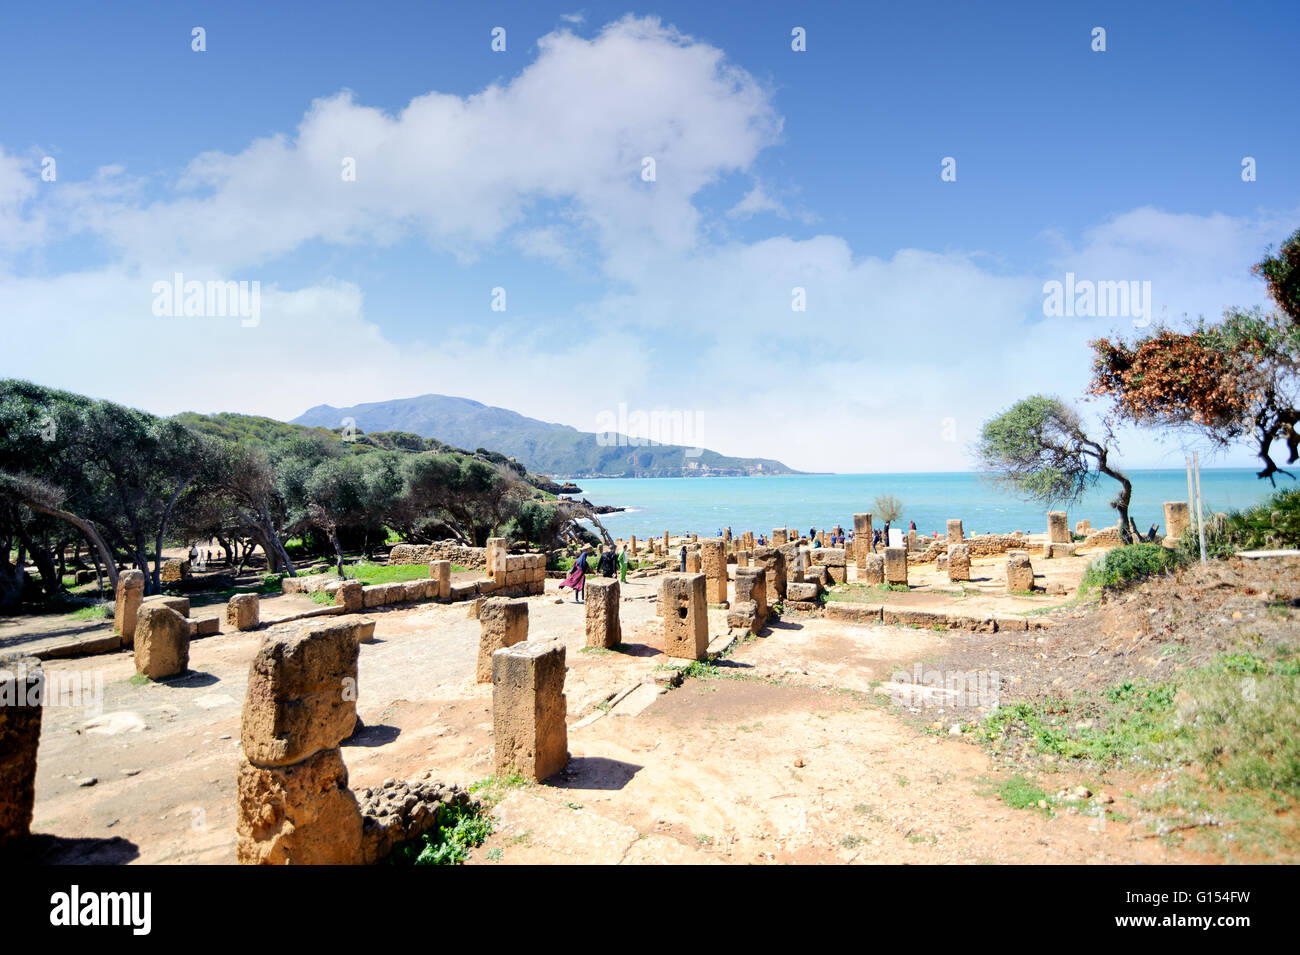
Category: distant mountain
[542,447]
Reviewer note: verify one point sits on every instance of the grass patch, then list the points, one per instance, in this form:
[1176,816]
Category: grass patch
[323,597]
[863,593]
[492,790]
[371,574]
[100,611]
[1018,792]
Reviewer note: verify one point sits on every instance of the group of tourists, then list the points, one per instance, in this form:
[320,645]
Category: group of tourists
[609,564]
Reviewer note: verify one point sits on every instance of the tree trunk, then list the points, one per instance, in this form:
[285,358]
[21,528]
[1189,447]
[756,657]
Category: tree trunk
[1121,499]
[87,528]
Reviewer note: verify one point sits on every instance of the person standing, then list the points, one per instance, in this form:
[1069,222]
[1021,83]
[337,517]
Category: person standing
[622,565]
[605,566]
[683,558]
[577,579]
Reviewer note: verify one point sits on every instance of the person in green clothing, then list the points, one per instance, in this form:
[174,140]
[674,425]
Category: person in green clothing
[622,564]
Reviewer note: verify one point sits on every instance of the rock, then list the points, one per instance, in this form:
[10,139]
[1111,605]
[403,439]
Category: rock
[162,642]
[302,814]
[86,781]
[798,762]
[243,612]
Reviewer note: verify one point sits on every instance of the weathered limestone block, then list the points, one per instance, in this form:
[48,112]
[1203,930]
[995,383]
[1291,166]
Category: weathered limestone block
[631,550]
[778,536]
[742,558]
[180,604]
[896,565]
[162,642]
[416,590]
[496,557]
[773,562]
[1058,528]
[861,538]
[714,566]
[205,627]
[835,560]
[1084,527]
[685,616]
[301,814]
[873,569]
[530,734]
[502,623]
[1020,573]
[692,562]
[22,686]
[302,693]
[743,615]
[941,562]
[1177,519]
[130,594]
[243,611]
[751,585]
[955,533]
[854,612]
[350,595]
[959,563]
[174,571]
[801,591]
[1053,551]
[603,627]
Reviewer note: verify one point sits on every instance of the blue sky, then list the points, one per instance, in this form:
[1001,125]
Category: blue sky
[775,168]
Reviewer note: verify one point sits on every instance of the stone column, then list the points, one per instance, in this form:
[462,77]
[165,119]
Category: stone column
[742,558]
[778,536]
[873,570]
[502,623]
[162,642]
[632,547]
[751,585]
[685,616]
[603,627]
[22,688]
[530,734]
[1058,528]
[692,561]
[440,570]
[294,804]
[243,611]
[665,540]
[130,594]
[955,534]
[496,558]
[1177,520]
[861,538]
[896,565]
[773,561]
[714,567]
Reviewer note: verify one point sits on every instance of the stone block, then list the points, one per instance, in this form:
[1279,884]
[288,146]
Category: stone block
[1020,573]
[1058,528]
[22,686]
[872,569]
[801,592]
[243,612]
[714,566]
[302,692]
[751,586]
[959,563]
[773,562]
[440,571]
[130,594]
[162,642]
[502,623]
[530,735]
[896,565]
[302,814]
[685,616]
[603,627]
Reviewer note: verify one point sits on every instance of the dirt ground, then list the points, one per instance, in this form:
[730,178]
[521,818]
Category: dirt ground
[788,752]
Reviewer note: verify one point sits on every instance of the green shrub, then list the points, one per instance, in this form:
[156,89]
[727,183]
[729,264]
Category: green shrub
[459,829]
[1273,524]
[1125,564]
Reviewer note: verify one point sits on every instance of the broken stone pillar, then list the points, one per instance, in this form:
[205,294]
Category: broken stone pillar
[896,565]
[714,567]
[861,538]
[603,627]
[1020,573]
[1058,529]
[22,688]
[959,562]
[503,622]
[162,642]
[496,558]
[440,571]
[665,540]
[692,561]
[778,536]
[130,594]
[294,804]
[955,534]
[742,558]
[1177,520]
[685,616]
[1084,527]
[243,611]
[632,547]
[530,734]
[873,570]
[751,586]
[772,561]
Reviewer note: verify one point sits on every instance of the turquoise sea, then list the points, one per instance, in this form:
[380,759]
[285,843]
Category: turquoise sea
[703,505]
